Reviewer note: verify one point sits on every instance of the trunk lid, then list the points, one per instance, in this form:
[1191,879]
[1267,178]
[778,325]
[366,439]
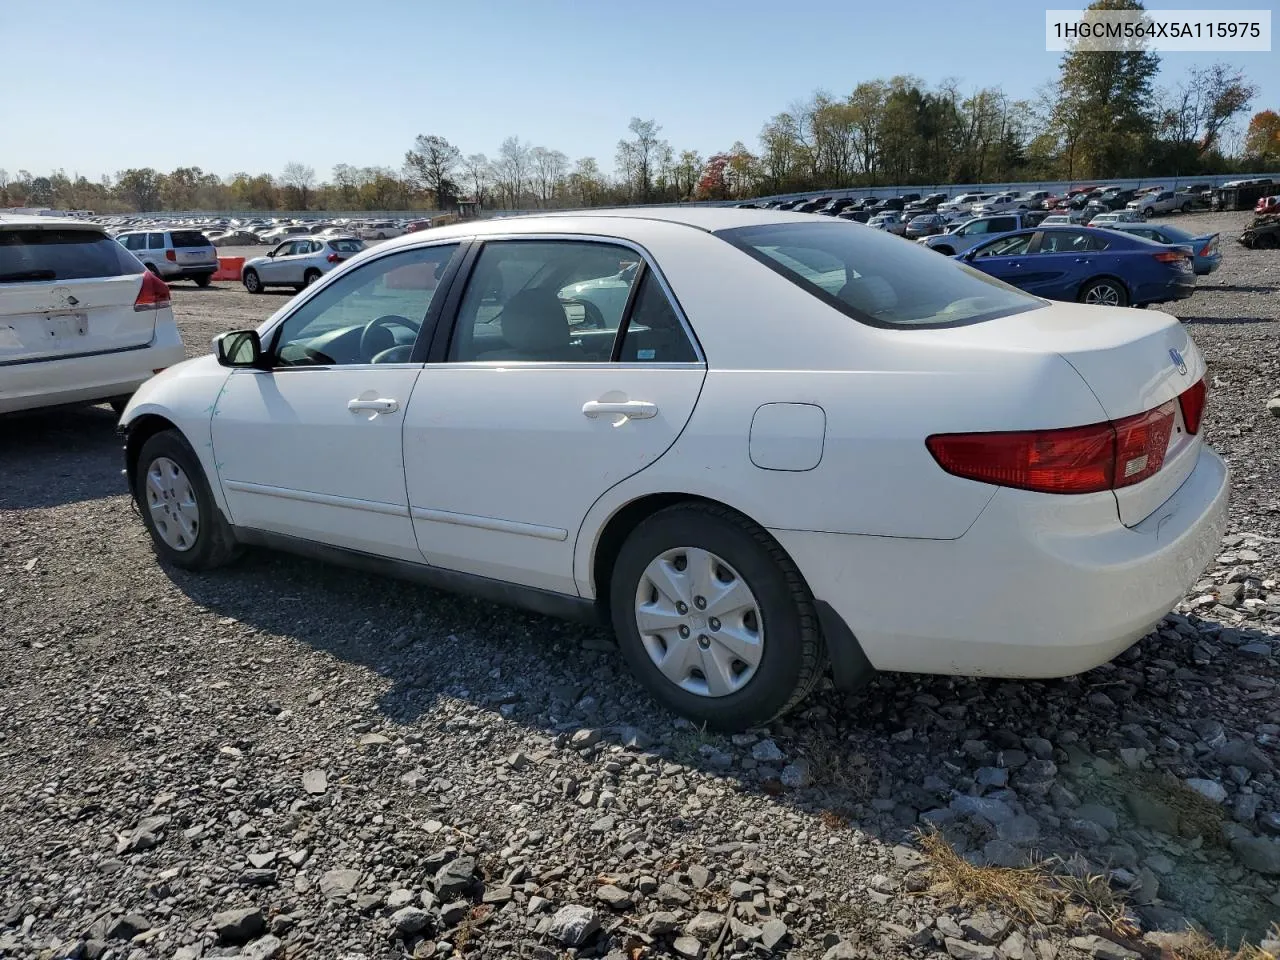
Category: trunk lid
[67,291]
[1132,360]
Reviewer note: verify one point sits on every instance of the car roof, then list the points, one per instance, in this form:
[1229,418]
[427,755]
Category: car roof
[34,220]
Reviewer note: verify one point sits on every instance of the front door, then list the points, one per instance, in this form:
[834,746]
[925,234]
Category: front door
[568,370]
[1005,258]
[311,447]
[276,269]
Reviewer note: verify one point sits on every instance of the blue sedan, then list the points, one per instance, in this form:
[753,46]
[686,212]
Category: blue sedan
[1087,265]
[1206,256]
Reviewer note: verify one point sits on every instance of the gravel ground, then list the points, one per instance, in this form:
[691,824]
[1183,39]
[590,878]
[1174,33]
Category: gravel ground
[284,759]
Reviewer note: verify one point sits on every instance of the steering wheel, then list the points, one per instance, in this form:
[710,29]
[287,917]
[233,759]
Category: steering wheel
[377,335]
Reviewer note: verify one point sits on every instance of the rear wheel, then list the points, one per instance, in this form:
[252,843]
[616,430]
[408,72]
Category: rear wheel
[187,528]
[1104,293]
[1149,212]
[251,281]
[152,268]
[713,617]
[204,280]
[1186,208]
[310,277]
[946,251]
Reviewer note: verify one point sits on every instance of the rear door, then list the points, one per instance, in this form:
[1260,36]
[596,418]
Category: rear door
[549,392]
[67,291]
[193,249]
[1063,260]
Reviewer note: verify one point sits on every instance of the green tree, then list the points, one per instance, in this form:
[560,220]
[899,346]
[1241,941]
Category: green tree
[1102,112]
[139,188]
[430,165]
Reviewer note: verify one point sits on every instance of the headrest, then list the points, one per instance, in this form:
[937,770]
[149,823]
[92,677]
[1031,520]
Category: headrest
[533,321]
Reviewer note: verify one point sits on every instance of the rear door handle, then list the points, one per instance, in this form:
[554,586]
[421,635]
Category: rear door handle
[1082,259]
[377,406]
[634,409]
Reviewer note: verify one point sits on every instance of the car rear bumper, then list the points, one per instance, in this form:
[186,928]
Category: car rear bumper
[1163,291]
[88,379]
[1019,594]
[190,271]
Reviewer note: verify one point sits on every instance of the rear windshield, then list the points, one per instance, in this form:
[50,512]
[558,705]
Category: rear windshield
[877,278]
[41,254]
[189,238]
[346,246]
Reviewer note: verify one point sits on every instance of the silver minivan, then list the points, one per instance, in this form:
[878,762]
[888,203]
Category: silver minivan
[174,254]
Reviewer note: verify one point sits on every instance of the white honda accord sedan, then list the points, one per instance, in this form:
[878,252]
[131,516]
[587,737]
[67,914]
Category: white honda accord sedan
[797,443]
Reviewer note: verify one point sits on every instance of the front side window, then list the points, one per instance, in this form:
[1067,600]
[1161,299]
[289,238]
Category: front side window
[1006,246]
[544,301]
[373,314]
[877,279]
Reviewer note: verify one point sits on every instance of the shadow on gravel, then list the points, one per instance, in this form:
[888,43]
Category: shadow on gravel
[53,457]
[1240,288]
[903,746]
[1226,321]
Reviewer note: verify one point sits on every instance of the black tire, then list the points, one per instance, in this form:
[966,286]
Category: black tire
[1149,212]
[310,277]
[1122,295]
[203,280]
[946,251]
[1186,208]
[251,281]
[215,544]
[793,657]
[1266,241]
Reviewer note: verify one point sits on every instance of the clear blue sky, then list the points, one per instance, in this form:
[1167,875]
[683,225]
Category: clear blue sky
[99,85]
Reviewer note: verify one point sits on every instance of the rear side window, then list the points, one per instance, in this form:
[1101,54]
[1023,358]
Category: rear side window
[155,241]
[189,238]
[346,246]
[876,278]
[42,254]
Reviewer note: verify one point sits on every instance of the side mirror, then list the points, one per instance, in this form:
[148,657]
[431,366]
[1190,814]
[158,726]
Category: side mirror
[970,254]
[239,348]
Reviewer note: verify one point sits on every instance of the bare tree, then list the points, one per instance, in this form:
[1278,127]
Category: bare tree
[479,174]
[430,164]
[301,178]
[638,156]
[549,168]
[512,168]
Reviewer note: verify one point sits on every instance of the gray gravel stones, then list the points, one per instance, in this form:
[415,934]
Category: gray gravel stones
[239,925]
[573,925]
[410,920]
[339,884]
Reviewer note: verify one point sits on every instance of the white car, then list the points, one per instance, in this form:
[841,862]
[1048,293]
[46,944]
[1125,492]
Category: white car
[1064,218]
[1001,203]
[962,205]
[379,230]
[748,469]
[298,263]
[82,321]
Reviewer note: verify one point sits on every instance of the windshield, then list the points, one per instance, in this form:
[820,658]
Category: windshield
[876,278]
[41,254]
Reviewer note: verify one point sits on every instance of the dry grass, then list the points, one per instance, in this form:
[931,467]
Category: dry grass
[1197,815]
[686,745]
[1197,946]
[831,766]
[1025,893]
[833,820]
[1095,892]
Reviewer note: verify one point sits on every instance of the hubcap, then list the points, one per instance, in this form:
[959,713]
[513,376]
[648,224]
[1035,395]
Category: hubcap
[172,502]
[1104,295]
[699,622]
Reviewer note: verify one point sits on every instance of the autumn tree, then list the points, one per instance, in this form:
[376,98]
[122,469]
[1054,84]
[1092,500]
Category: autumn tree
[299,178]
[638,156]
[430,165]
[1262,140]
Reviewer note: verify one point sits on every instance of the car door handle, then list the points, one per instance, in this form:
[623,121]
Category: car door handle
[634,409]
[1082,259]
[377,406]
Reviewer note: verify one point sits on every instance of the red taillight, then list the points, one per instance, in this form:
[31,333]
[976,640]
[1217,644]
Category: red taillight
[1192,402]
[1090,459]
[1204,251]
[1141,442]
[1074,460]
[171,256]
[154,293]
[1170,256]
[333,258]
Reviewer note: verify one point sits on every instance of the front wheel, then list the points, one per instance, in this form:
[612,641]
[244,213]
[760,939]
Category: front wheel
[1186,208]
[252,282]
[1104,293]
[1149,212]
[946,251]
[187,528]
[713,617]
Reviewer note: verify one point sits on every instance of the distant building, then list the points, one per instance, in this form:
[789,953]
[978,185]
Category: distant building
[468,209]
